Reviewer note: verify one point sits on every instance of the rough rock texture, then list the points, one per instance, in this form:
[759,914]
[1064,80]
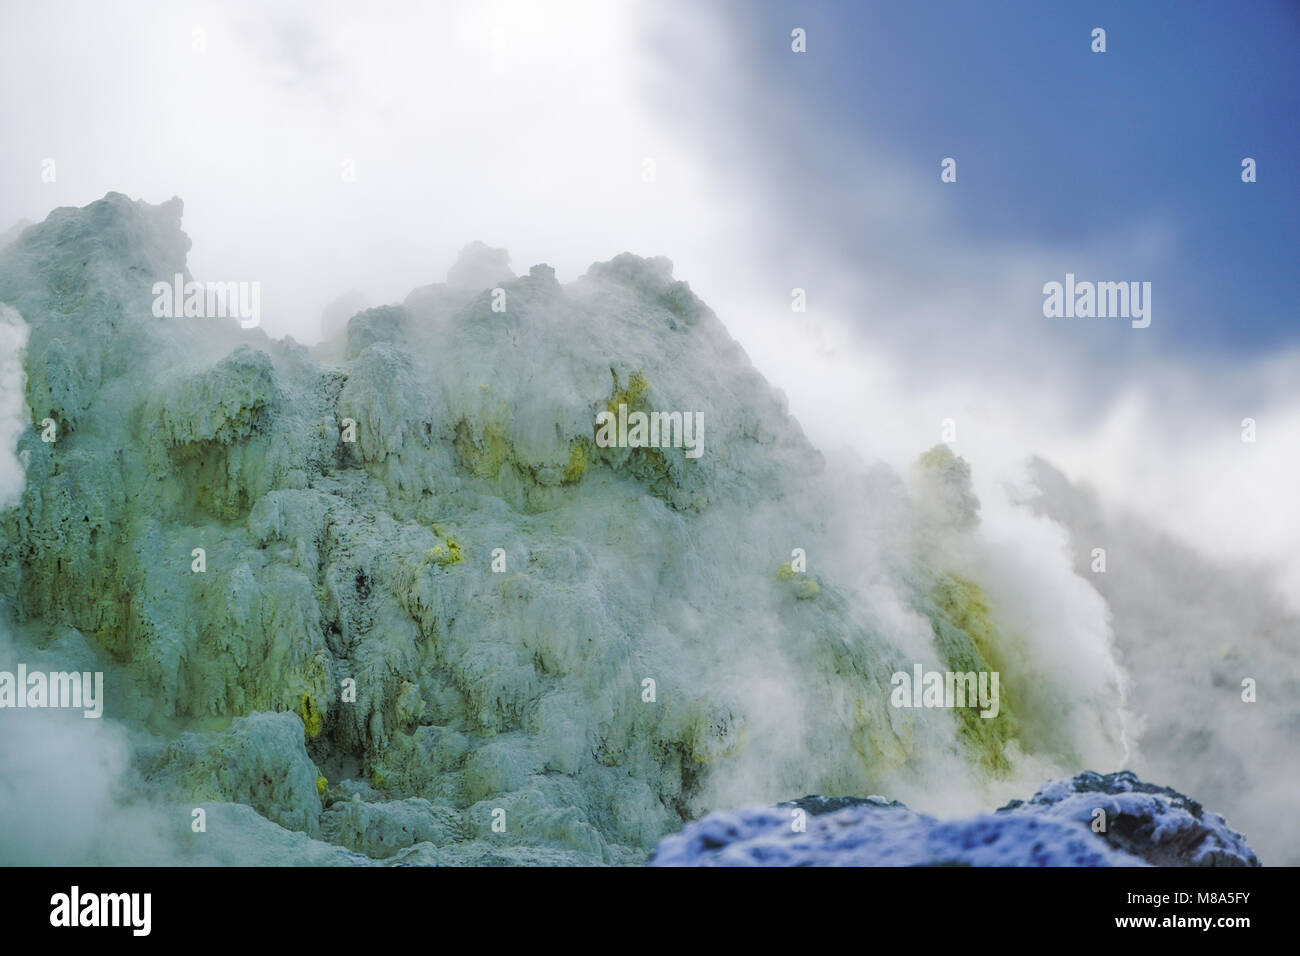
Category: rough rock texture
[1146,824]
[236,834]
[815,804]
[506,642]
[381,830]
[259,761]
[1158,824]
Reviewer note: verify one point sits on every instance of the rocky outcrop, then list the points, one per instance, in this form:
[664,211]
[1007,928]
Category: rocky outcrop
[505,639]
[1089,820]
[259,761]
[1158,824]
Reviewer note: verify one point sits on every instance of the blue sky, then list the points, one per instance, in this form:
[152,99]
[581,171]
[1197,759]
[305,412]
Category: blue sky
[1123,165]
[1061,148]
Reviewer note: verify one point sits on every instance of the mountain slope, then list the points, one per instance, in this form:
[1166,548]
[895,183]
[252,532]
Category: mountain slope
[412,539]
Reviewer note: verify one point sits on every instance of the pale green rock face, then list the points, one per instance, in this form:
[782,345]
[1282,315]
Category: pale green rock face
[502,642]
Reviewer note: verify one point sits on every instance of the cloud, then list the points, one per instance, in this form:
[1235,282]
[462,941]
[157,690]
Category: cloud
[511,122]
[912,318]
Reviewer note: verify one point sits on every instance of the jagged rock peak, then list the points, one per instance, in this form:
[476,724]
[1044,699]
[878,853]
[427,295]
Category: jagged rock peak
[1140,824]
[480,266]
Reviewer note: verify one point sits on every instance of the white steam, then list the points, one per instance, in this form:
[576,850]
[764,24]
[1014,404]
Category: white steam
[14,415]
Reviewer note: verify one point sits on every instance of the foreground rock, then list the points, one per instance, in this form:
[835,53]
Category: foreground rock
[1144,825]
